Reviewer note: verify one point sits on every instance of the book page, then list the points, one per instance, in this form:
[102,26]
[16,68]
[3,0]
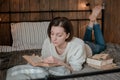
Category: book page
[33,60]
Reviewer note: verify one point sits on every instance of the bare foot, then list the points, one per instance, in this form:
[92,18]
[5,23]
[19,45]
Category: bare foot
[95,12]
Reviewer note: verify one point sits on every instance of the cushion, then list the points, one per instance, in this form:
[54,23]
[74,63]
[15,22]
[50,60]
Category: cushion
[29,35]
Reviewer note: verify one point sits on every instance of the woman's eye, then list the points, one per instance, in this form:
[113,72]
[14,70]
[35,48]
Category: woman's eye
[59,35]
[52,34]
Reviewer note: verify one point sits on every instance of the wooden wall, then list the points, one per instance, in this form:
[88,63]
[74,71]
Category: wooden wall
[111,26]
[112,21]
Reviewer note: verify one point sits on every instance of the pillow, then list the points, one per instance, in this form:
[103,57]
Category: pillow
[29,35]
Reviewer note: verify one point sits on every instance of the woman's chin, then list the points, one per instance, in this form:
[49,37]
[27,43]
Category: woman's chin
[55,45]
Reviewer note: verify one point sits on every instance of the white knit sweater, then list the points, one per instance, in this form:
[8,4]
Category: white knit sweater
[74,54]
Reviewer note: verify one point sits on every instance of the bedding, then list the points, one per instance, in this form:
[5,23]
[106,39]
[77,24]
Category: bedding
[36,32]
[29,34]
[12,55]
[16,59]
[13,58]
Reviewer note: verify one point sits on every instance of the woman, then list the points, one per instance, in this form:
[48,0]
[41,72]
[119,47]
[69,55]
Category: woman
[61,49]
[66,52]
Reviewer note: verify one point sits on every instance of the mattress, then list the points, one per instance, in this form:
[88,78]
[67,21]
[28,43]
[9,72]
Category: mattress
[13,58]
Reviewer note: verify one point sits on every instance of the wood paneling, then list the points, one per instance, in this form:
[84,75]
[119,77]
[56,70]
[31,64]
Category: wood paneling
[111,26]
[112,21]
[5,34]
[4,5]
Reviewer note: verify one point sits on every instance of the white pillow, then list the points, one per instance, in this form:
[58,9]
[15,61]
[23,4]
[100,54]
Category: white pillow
[29,34]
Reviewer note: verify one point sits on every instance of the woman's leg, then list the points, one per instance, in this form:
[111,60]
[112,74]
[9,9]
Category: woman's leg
[88,32]
[99,44]
[95,12]
[98,35]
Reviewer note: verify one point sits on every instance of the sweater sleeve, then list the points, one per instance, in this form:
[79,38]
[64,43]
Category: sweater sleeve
[77,57]
[45,49]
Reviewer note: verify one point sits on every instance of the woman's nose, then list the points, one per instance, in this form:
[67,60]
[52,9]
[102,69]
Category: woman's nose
[54,38]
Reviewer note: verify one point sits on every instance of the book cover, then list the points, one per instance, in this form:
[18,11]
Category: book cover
[103,56]
[104,67]
[99,62]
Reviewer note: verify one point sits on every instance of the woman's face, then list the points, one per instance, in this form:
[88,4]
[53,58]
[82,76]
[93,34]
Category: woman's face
[58,36]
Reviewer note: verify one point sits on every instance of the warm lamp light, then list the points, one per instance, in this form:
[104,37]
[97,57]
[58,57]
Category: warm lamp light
[83,5]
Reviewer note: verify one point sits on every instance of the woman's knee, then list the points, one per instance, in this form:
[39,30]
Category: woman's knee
[98,49]
[102,48]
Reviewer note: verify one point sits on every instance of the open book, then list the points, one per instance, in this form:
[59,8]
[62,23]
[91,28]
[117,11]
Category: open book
[37,61]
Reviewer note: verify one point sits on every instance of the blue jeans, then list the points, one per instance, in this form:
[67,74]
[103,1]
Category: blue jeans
[99,44]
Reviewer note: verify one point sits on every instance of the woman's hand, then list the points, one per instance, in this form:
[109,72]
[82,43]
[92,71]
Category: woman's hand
[49,62]
[57,62]
[52,60]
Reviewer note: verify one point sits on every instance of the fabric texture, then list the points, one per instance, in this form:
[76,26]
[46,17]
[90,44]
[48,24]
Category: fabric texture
[13,58]
[112,49]
[23,72]
[74,54]
[29,34]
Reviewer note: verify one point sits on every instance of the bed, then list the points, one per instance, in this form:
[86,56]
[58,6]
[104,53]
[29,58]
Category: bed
[32,43]
[28,37]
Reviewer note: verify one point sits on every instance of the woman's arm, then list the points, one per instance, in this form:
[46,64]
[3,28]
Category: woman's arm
[57,62]
[77,57]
